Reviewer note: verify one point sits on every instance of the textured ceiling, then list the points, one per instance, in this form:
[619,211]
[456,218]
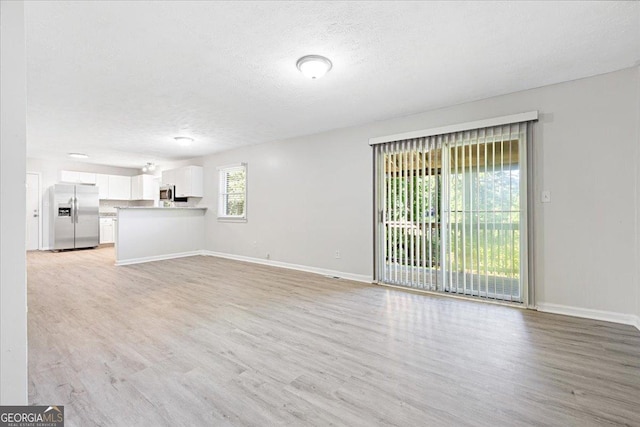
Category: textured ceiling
[118,80]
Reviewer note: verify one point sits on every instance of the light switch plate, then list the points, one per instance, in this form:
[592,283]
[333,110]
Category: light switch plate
[546,196]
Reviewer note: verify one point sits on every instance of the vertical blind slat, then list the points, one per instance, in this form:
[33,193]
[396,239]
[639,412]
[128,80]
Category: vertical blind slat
[400,213]
[422,208]
[389,209]
[428,232]
[410,204]
[464,218]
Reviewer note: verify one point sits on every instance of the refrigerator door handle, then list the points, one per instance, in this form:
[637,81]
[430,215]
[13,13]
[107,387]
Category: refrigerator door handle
[76,208]
[73,210]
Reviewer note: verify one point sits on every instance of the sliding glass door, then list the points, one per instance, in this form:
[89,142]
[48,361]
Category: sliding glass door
[410,214]
[452,213]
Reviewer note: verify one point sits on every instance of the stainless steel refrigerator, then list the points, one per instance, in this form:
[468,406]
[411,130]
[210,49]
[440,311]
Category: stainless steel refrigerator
[75,221]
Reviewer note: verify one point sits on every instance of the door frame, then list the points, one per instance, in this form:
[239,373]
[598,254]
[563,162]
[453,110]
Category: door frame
[40,212]
[526,193]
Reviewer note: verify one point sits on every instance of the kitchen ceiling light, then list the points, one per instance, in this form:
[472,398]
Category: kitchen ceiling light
[314,66]
[78,155]
[184,140]
[149,167]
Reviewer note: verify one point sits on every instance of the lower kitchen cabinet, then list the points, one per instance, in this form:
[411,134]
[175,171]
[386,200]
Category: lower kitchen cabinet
[107,230]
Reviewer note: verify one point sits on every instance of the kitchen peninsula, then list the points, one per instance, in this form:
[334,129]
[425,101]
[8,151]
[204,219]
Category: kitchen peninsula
[151,234]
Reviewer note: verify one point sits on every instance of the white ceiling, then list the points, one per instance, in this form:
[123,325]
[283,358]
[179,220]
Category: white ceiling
[118,80]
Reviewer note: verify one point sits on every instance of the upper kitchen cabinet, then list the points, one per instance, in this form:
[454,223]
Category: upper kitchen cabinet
[116,187]
[119,187]
[169,177]
[188,181]
[77,177]
[144,187]
[102,182]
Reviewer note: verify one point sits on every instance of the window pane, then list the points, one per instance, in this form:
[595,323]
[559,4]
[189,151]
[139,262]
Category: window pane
[232,192]
[235,181]
[235,205]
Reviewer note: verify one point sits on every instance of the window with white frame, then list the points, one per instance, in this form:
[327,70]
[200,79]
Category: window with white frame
[232,193]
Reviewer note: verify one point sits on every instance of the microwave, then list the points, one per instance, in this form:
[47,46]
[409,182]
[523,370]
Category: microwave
[168,194]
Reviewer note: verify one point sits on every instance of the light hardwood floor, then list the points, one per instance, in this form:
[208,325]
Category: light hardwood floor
[204,341]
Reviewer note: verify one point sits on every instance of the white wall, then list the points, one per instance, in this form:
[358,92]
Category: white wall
[307,198]
[50,175]
[310,196]
[196,161]
[153,234]
[13,295]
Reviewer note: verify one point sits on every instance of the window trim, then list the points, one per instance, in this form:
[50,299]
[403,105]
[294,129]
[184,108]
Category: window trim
[221,208]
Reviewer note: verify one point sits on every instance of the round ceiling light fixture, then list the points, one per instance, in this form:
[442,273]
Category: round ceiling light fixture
[183,140]
[314,66]
[78,155]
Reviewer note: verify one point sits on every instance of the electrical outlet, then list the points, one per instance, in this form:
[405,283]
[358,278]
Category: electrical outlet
[337,254]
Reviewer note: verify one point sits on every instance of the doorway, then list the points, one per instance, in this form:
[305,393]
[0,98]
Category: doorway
[33,212]
[452,213]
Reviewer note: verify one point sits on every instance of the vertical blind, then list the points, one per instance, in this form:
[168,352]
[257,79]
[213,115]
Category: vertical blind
[452,212]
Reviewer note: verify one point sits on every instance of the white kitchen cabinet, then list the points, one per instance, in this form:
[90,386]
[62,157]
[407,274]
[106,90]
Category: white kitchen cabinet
[169,177]
[144,187]
[102,182]
[87,177]
[151,189]
[188,181]
[107,234]
[114,187]
[136,187]
[77,177]
[119,187]
[182,182]
[69,176]
[196,181]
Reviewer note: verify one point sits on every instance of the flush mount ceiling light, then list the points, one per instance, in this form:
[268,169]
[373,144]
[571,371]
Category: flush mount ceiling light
[78,155]
[183,140]
[149,167]
[314,66]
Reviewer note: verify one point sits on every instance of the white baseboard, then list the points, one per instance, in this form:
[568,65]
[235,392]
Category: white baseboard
[157,258]
[588,313]
[349,276]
